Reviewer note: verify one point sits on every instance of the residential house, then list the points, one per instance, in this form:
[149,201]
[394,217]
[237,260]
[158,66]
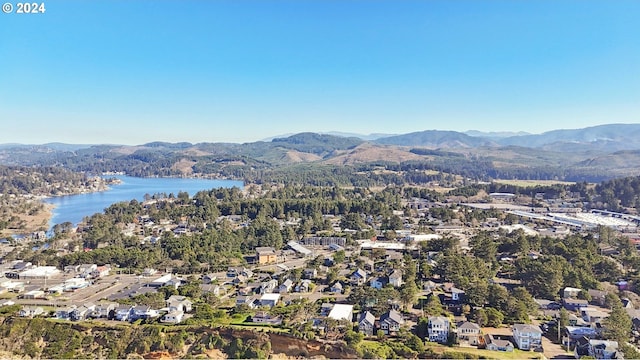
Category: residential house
[262,317]
[494,344]
[527,337]
[209,278]
[598,297]
[239,280]
[604,349]
[177,302]
[103,310]
[249,300]
[378,282]
[341,312]
[266,255]
[457,295]
[304,286]
[367,323]
[269,299]
[469,333]
[30,311]
[358,277]
[310,273]
[395,278]
[143,312]
[592,315]
[390,322]
[123,312]
[269,286]
[438,328]
[101,271]
[570,292]
[286,286]
[85,270]
[172,317]
[7,302]
[337,287]
[64,313]
[574,304]
[82,312]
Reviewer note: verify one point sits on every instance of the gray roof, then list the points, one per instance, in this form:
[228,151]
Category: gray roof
[469,325]
[527,328]
[368,317]
[393,315]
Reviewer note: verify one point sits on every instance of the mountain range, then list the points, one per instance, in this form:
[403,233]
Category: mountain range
[595,152]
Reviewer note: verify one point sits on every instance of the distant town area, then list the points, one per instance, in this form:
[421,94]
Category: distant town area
[491,269]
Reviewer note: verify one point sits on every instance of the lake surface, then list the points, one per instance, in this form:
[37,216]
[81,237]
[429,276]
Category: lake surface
[74,208]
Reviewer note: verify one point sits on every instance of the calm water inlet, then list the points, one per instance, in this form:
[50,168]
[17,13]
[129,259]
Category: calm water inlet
[74,208]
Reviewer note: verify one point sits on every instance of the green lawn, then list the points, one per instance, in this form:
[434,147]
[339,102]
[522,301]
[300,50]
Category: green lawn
[515,354]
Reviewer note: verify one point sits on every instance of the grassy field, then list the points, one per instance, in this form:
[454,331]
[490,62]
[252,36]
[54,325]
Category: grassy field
[532,183]
[516,354]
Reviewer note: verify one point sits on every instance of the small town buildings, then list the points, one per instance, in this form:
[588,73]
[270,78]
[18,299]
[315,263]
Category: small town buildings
[33,294]
[64,313]
[337,287]
[178,302]
[250,300]
[341,312]
[143,312]
[82,312]
[570,292]
[309,273]
[438,328]
[30,311]
[123,312]
[103,310]
[390,322]
[266,255]
[262,317]
[574,304]
[172,317]
[469,333]
[592,315]
[598,297]
[269,299]
[304,286]
[367,323]
[378,282]
[598,349]
[527,337]
[269,286]
[395,278]
[358,277]
[101,271]
[494,344]
[286,286]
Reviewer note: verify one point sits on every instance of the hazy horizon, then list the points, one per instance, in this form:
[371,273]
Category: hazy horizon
[115,72]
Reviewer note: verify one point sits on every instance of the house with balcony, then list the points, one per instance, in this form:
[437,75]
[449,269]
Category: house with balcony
[367,323]
[469,333]
[527,337]
[390,322]
[438,329]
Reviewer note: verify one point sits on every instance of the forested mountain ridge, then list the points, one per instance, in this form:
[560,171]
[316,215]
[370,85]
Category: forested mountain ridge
[591,154]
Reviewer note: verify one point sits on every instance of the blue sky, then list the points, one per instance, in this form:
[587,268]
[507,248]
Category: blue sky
[131,72]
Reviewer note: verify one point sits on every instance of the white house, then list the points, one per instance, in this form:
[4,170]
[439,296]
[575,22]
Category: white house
[469,332]
[181,303]
[395,278]
[527,336]
[341,312]
[269,299]
[172,317]
[367,323]
[438,329]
